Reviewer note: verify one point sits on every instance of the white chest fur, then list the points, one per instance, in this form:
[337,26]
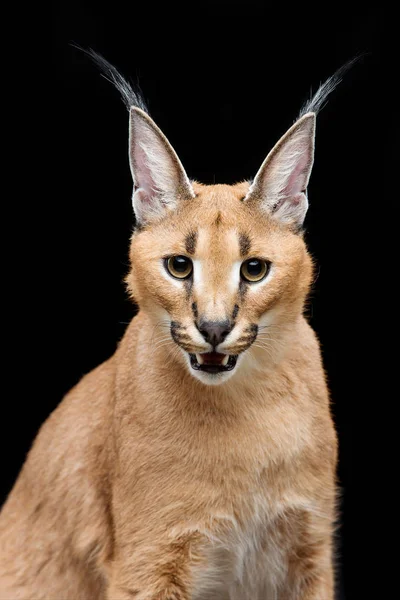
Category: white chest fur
[246,563]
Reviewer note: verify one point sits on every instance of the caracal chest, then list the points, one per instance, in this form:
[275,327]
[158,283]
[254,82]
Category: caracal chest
[246,549]
[249,562]
[232,493]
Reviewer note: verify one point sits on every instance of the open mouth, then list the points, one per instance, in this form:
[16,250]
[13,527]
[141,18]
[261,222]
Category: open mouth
[213,362]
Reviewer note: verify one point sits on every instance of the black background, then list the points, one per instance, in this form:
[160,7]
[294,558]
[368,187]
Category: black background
[223,80]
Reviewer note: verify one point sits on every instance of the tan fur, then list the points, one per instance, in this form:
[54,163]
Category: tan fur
[147,484]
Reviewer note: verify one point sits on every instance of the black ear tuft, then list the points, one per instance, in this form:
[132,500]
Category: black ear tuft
[131,94]
[320,98]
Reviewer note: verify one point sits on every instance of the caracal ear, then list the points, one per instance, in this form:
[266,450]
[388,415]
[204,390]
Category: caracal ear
[160,181]
[280,186]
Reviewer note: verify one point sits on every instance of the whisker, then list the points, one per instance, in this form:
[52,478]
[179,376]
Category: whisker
[266,349]
[161,323]
[162,342]
[160,335]
[264,344]
[271,326]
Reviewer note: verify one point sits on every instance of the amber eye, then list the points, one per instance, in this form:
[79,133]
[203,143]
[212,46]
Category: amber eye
[254,270]
[180,267]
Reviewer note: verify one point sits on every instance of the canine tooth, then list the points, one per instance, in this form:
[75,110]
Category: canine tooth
[225,360]
[199,359]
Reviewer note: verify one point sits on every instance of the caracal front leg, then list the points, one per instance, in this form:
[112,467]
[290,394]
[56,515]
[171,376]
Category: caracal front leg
[318,586]
[156,570]
[310,566]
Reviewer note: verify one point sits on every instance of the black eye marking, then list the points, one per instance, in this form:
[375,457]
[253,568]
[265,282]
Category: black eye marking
[235,311]
[188,283]
[190,242]
[194,309]
[243,287]
[244,244]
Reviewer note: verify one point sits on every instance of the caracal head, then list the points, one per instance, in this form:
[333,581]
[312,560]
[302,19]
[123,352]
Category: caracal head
[219,269]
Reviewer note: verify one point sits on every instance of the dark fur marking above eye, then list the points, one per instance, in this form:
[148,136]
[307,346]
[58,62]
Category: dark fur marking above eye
[190,242]
[235,311]
[244,244]
[218,220]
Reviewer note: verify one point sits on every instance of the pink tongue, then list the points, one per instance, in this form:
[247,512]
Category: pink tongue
[213,358]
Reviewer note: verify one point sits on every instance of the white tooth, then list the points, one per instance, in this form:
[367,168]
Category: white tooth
[199,359]
[225,360]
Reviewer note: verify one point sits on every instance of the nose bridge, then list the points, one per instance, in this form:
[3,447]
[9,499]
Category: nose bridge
[214,299]
[213,290]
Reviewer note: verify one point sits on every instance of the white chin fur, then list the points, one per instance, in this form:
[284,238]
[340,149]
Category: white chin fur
[211,379]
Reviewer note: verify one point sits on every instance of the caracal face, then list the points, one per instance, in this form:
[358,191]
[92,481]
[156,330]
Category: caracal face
[218,276]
